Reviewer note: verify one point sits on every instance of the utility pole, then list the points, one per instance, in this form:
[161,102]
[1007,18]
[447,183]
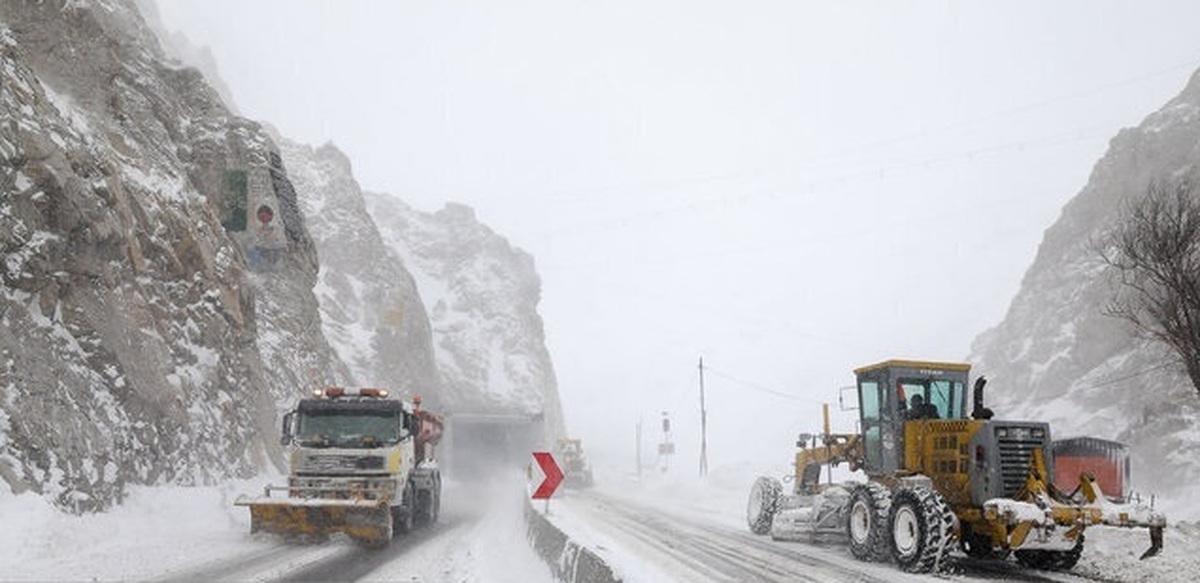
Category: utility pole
[639,448]
[703,425]
[667,448]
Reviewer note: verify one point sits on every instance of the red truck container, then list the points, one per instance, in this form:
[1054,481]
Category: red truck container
[1107,461]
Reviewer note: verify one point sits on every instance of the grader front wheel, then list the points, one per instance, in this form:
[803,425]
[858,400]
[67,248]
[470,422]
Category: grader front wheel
[868,524]
[763,503]
[922,526]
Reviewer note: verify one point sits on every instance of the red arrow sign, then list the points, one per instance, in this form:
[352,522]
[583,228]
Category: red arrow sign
[554,476]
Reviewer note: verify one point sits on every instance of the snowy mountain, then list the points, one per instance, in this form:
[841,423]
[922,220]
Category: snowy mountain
[482,296]
[143,309]
[1057,357]
[369,303]
[174,276]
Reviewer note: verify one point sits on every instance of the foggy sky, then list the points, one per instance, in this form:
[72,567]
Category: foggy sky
[788,189]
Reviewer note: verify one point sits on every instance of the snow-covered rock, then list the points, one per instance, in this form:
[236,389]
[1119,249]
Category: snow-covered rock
[370,307]
[149,325]
[157,305]
[1057,357]
[481,294]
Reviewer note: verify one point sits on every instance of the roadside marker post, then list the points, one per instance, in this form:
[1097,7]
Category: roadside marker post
[554,477]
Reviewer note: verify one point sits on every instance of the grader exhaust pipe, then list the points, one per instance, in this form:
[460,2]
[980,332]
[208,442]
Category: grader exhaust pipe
[980,412]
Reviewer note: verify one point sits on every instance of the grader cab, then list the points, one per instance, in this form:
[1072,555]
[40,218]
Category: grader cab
[939,475]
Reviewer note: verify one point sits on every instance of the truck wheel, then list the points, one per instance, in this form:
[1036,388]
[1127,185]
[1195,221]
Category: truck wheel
[763,503]
[402,516]
[425,511]
[436,508]
[922,528]
[868,524]
[380,520]
[1052,560]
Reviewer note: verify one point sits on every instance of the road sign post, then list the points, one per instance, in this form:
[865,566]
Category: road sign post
[554,477]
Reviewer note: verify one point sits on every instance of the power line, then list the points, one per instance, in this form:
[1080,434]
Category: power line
[1128,376]
[633,189]
[758,387]
[813,186]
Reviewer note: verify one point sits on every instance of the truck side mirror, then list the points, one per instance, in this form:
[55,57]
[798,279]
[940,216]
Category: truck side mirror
[412,425]
[288,429]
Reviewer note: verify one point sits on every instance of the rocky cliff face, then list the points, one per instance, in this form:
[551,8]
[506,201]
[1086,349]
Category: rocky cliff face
[156,300]
[370,307]
[160,254]
[1058,358]
[482,296]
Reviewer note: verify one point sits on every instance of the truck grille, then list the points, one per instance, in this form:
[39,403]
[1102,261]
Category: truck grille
[332,464]
[1016,445]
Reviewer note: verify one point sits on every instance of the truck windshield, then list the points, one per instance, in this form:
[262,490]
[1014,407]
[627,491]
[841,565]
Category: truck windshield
[348,428]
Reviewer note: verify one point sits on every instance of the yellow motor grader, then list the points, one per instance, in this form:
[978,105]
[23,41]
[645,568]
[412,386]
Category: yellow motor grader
[938,476]
[574,464]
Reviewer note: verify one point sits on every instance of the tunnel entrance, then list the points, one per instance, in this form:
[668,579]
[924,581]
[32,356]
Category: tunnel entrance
[481,447]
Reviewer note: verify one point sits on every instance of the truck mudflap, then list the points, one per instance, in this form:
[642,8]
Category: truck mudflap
[366,521]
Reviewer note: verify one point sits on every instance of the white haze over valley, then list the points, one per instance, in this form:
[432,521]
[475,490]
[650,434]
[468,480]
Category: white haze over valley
[788,189]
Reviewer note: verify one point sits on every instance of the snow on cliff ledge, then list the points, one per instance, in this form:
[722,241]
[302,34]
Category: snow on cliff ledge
[482,296]
[1056,357]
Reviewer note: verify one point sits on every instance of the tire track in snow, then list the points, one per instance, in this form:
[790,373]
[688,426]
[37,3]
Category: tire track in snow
[256,564]
[362,562]
[714,553]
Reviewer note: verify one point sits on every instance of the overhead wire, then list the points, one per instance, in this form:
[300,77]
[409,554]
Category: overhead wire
[759,387]
[826,158]
[1131,375]
[813,186]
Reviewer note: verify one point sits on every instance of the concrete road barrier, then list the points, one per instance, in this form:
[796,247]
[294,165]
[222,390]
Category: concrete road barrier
[570,562]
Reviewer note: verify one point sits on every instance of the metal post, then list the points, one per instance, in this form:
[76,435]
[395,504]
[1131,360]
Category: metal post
[703,425]
[639,448]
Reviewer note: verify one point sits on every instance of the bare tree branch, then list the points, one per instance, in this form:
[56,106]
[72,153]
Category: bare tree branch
[1155,250]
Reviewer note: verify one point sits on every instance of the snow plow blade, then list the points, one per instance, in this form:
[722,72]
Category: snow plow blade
[366,521]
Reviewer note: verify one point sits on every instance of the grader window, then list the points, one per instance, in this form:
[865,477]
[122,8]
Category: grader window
[869,400]
[933,398]
[871,406]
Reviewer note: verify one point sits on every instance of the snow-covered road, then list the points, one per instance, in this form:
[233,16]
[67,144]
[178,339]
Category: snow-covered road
[196,534]
[657,529]
[675,548]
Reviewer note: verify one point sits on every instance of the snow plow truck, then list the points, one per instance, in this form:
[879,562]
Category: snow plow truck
[938,476]
[360,463]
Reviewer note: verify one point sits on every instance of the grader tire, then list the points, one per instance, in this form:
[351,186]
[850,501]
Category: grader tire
[922,526]
[763,504]
[868,525]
